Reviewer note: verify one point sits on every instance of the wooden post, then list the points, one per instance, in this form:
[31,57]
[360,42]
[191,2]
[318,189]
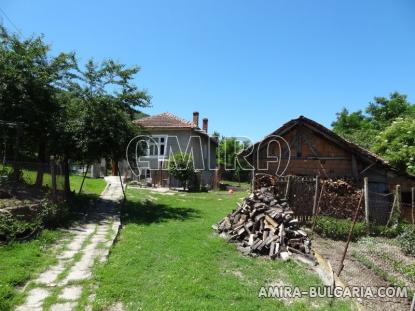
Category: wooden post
[122,185]
[392,210]
[366,195]
[318,206]
[413,206]
[287,190]
[350,235]
[398,199]
[253,181]
[316,195]
[83,179]
[396,203]
[253,172]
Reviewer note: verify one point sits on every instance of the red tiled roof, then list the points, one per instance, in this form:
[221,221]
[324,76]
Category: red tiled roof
[164,120]
[168,120]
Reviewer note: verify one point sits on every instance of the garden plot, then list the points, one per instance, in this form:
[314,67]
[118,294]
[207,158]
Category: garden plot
[372,262]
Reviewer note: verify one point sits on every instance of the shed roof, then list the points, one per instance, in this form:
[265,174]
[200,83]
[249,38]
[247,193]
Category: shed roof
[324,131]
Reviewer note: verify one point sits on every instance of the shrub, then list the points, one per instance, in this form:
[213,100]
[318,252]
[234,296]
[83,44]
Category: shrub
[338,229]
[53,214]
[387,232]
[13,227]
[407,240]
[181,167]
[19,226]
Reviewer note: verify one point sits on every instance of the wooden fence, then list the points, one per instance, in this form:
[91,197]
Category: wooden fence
[339,198]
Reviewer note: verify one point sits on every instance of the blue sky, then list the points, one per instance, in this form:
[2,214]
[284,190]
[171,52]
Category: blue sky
[248,66]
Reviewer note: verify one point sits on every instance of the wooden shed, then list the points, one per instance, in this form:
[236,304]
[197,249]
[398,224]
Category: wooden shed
[307,148]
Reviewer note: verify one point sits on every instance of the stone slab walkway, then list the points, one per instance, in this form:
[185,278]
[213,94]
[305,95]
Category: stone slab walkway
[62,285]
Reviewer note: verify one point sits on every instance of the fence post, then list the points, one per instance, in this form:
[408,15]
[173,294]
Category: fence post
[413,205]
[398,199]
[315,195]
[287,190]
[253,181]
[318,206]
[366,194]
[349,237]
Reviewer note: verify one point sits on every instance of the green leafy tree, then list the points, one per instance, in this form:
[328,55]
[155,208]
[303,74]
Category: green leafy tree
[102,103]
[397,144]
[235,168]
[73,114]
[382,111]
[382,129]
[28,84]
[355,127]
[181,167]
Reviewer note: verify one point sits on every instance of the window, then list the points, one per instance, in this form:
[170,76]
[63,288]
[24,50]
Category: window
[145,173]
[157,146]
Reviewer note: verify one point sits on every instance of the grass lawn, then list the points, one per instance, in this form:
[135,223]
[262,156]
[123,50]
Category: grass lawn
[243,186]
[19,262]
[91,185]
[168,258]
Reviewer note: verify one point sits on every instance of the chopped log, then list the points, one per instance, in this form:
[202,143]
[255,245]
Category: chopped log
[271,221]
[281,234]
[271,249]
[251,239]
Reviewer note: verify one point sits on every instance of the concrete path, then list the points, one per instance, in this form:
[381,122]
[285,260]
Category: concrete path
[63,285]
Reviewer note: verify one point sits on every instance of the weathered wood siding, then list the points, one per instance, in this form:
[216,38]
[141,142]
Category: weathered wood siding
[311,154]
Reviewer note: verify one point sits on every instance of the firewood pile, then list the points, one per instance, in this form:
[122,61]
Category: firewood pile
[340,198]
[265,181]
[263,224]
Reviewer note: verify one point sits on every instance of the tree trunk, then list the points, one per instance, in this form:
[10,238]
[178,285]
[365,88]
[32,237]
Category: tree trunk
[16,168]
[41,160]
[53,177]
[83,179]
[114,168]
[67,185]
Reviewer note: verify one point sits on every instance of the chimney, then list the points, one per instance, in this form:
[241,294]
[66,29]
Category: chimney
[205,125]
[196,118]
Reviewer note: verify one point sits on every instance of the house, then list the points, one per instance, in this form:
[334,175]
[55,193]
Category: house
[309,149]
[169,134]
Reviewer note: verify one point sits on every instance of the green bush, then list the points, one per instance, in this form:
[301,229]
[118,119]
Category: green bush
[407,240]
[17,227]
[181,167]
[338,229]
[14,227]
[54,214]
[387,232]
